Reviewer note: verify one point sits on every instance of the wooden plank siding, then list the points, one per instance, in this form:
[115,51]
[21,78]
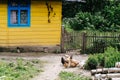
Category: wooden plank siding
[3,24]
[40,31]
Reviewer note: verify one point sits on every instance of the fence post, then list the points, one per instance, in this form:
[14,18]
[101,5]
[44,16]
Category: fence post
[62,39]
[84,42]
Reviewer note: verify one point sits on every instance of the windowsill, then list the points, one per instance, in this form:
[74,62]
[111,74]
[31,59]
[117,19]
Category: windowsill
[19,26]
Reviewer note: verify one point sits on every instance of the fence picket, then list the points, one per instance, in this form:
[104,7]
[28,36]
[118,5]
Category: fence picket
[91,41]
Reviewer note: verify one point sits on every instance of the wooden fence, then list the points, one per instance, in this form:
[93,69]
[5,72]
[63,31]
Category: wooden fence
[90,42]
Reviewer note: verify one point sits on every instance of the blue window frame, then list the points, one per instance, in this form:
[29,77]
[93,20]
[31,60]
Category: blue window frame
[19,13]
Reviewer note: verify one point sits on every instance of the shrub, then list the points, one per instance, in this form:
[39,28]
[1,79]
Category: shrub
[101,60]
[87,21]
[91,63]
[105,20]
[84,20]
[107,59]
[76,24]
[111,57]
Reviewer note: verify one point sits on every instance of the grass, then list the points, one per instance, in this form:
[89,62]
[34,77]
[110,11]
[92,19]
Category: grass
[19,69]
[71,76]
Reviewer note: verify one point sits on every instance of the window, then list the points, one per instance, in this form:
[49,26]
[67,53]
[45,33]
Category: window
[18,13]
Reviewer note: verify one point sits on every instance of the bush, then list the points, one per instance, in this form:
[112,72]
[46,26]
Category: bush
[91,63]
[111,57]
[87,21]
[75,24]
[106,18]
[107,59]
[83,20]
[101,59]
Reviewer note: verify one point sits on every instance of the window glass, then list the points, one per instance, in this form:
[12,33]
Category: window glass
[23,16]
[14,17]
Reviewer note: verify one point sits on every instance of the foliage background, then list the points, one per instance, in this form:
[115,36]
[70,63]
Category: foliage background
[102,15]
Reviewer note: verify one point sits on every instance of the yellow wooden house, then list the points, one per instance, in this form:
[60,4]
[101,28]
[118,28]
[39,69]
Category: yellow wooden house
[30,23]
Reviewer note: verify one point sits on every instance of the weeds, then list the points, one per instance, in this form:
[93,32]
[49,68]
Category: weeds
[71,76]
[19,70]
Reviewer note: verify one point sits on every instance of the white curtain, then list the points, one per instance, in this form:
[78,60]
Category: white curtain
[13,17]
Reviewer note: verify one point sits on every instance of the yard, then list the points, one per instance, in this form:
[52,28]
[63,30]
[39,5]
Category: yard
[47,66]
[19,68]
[37,66]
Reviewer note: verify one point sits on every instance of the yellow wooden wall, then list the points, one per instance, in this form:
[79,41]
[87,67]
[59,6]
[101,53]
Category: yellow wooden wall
[40,31]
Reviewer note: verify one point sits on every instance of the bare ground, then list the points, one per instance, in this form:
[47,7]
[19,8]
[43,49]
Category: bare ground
[53,66]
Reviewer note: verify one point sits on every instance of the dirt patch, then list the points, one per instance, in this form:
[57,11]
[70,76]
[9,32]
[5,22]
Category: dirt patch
[53,65]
